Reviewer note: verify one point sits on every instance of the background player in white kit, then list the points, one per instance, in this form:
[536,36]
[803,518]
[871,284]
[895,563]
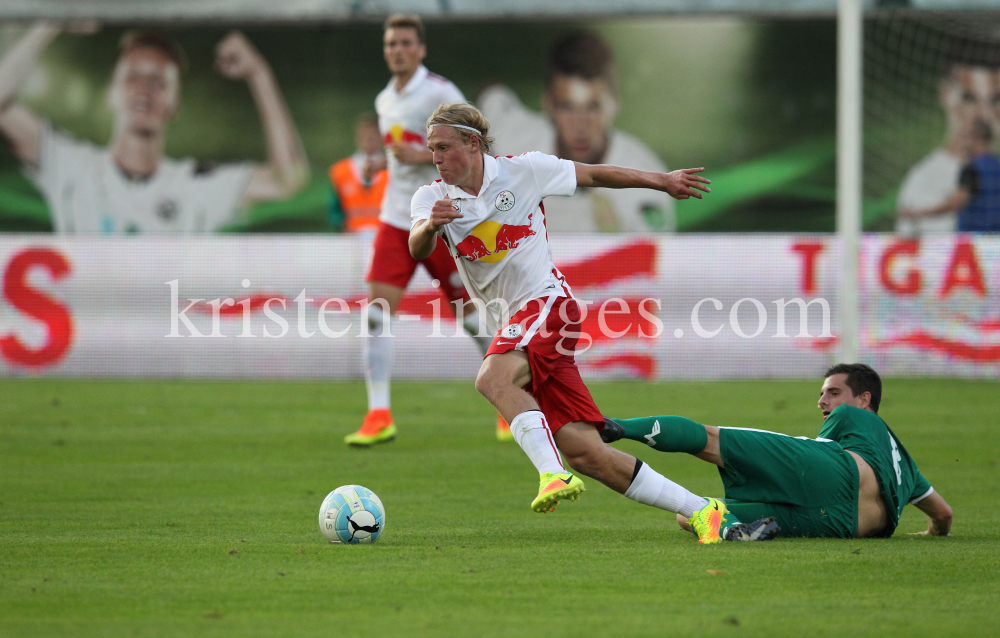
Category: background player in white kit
[529,373]
[130,186]
[403,108]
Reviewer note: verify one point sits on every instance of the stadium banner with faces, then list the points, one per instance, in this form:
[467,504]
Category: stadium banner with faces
[657,308]
[181,129]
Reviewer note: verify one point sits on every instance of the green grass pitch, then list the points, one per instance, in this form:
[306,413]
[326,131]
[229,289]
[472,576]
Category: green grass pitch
[190,508]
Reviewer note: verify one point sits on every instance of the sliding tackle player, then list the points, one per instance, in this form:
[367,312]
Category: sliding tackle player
[853,481]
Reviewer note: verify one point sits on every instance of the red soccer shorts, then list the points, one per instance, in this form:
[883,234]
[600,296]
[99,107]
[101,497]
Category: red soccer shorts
[547,331]
[392,263]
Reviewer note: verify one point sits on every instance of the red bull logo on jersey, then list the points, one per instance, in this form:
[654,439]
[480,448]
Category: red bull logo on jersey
[490,241]
[398,134]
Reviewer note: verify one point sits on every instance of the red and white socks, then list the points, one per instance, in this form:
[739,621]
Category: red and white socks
[531,431]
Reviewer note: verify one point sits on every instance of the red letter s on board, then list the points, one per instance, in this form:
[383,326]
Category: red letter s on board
[34,304]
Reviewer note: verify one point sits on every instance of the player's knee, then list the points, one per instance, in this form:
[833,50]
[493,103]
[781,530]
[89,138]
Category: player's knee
[484,382]
[376,319]
[490,381]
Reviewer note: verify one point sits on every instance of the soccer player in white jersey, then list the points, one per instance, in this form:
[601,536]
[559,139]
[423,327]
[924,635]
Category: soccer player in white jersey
[130,186]
[489,212]
[403,108]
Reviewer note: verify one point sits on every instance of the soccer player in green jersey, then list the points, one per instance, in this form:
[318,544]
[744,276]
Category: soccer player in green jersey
[850,482]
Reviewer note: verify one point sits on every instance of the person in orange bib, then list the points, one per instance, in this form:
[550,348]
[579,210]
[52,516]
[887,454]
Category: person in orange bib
[357,183]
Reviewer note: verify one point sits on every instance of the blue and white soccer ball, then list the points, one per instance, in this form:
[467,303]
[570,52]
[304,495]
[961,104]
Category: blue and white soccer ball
[352,514]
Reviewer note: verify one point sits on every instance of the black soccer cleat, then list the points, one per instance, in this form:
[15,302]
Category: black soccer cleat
[612,431]
[763,529]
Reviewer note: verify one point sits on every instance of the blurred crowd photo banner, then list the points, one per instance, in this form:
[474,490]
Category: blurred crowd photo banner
[670,307]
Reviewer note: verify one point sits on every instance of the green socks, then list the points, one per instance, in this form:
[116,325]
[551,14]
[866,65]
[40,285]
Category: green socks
[666,433]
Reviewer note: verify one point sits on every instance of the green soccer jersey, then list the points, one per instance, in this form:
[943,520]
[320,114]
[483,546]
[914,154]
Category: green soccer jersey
[867,435]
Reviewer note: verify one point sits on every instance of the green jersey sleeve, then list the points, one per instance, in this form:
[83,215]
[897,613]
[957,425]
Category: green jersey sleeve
[921,488]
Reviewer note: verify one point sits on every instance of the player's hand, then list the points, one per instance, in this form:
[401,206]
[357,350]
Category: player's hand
[683,184]
[236,58]
[372,166]
[443,212]
[410,154]
[927,532]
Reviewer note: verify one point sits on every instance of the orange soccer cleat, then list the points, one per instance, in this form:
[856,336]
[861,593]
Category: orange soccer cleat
[377,428]
[707,521]
[503,430]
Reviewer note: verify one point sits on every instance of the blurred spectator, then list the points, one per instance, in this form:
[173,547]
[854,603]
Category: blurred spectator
[357,183]
[580,101]
[980,185]
[129,186]
[929,199]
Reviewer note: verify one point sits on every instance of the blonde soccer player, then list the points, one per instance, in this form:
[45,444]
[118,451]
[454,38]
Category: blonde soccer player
[489,213]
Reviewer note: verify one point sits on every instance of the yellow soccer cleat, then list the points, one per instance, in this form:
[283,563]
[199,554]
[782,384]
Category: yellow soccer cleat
[555,487]
[377,428]
[707,521]
[503,430]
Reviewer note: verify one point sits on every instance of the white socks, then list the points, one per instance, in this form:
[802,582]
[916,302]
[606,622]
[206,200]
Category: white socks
[378,353]
[474,325]
[378,359]
[652,488]
[532,433]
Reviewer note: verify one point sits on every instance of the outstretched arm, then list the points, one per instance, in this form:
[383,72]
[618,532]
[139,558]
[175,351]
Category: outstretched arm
[938,515]
[21,126]
[287,169]
[679,184]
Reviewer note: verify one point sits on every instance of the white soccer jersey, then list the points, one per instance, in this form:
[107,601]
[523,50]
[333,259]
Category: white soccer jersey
[931,181]
[518,129]
[88,193]
[500,244]
[402,117]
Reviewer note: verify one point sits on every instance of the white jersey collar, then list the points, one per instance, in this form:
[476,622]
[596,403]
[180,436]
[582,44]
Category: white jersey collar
[490,172]
[418,77]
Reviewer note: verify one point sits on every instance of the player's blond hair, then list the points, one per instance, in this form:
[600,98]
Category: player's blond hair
[464,114]
[406,21]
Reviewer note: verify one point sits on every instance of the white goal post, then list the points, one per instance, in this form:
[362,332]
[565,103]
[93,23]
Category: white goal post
[849,169]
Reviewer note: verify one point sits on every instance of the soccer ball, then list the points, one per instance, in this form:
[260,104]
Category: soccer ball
[352,514]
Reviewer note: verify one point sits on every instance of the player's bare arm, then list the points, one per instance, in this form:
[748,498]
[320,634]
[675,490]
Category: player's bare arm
[287,169]
[938,515]
[423,235]
[19,125]
[679,184]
